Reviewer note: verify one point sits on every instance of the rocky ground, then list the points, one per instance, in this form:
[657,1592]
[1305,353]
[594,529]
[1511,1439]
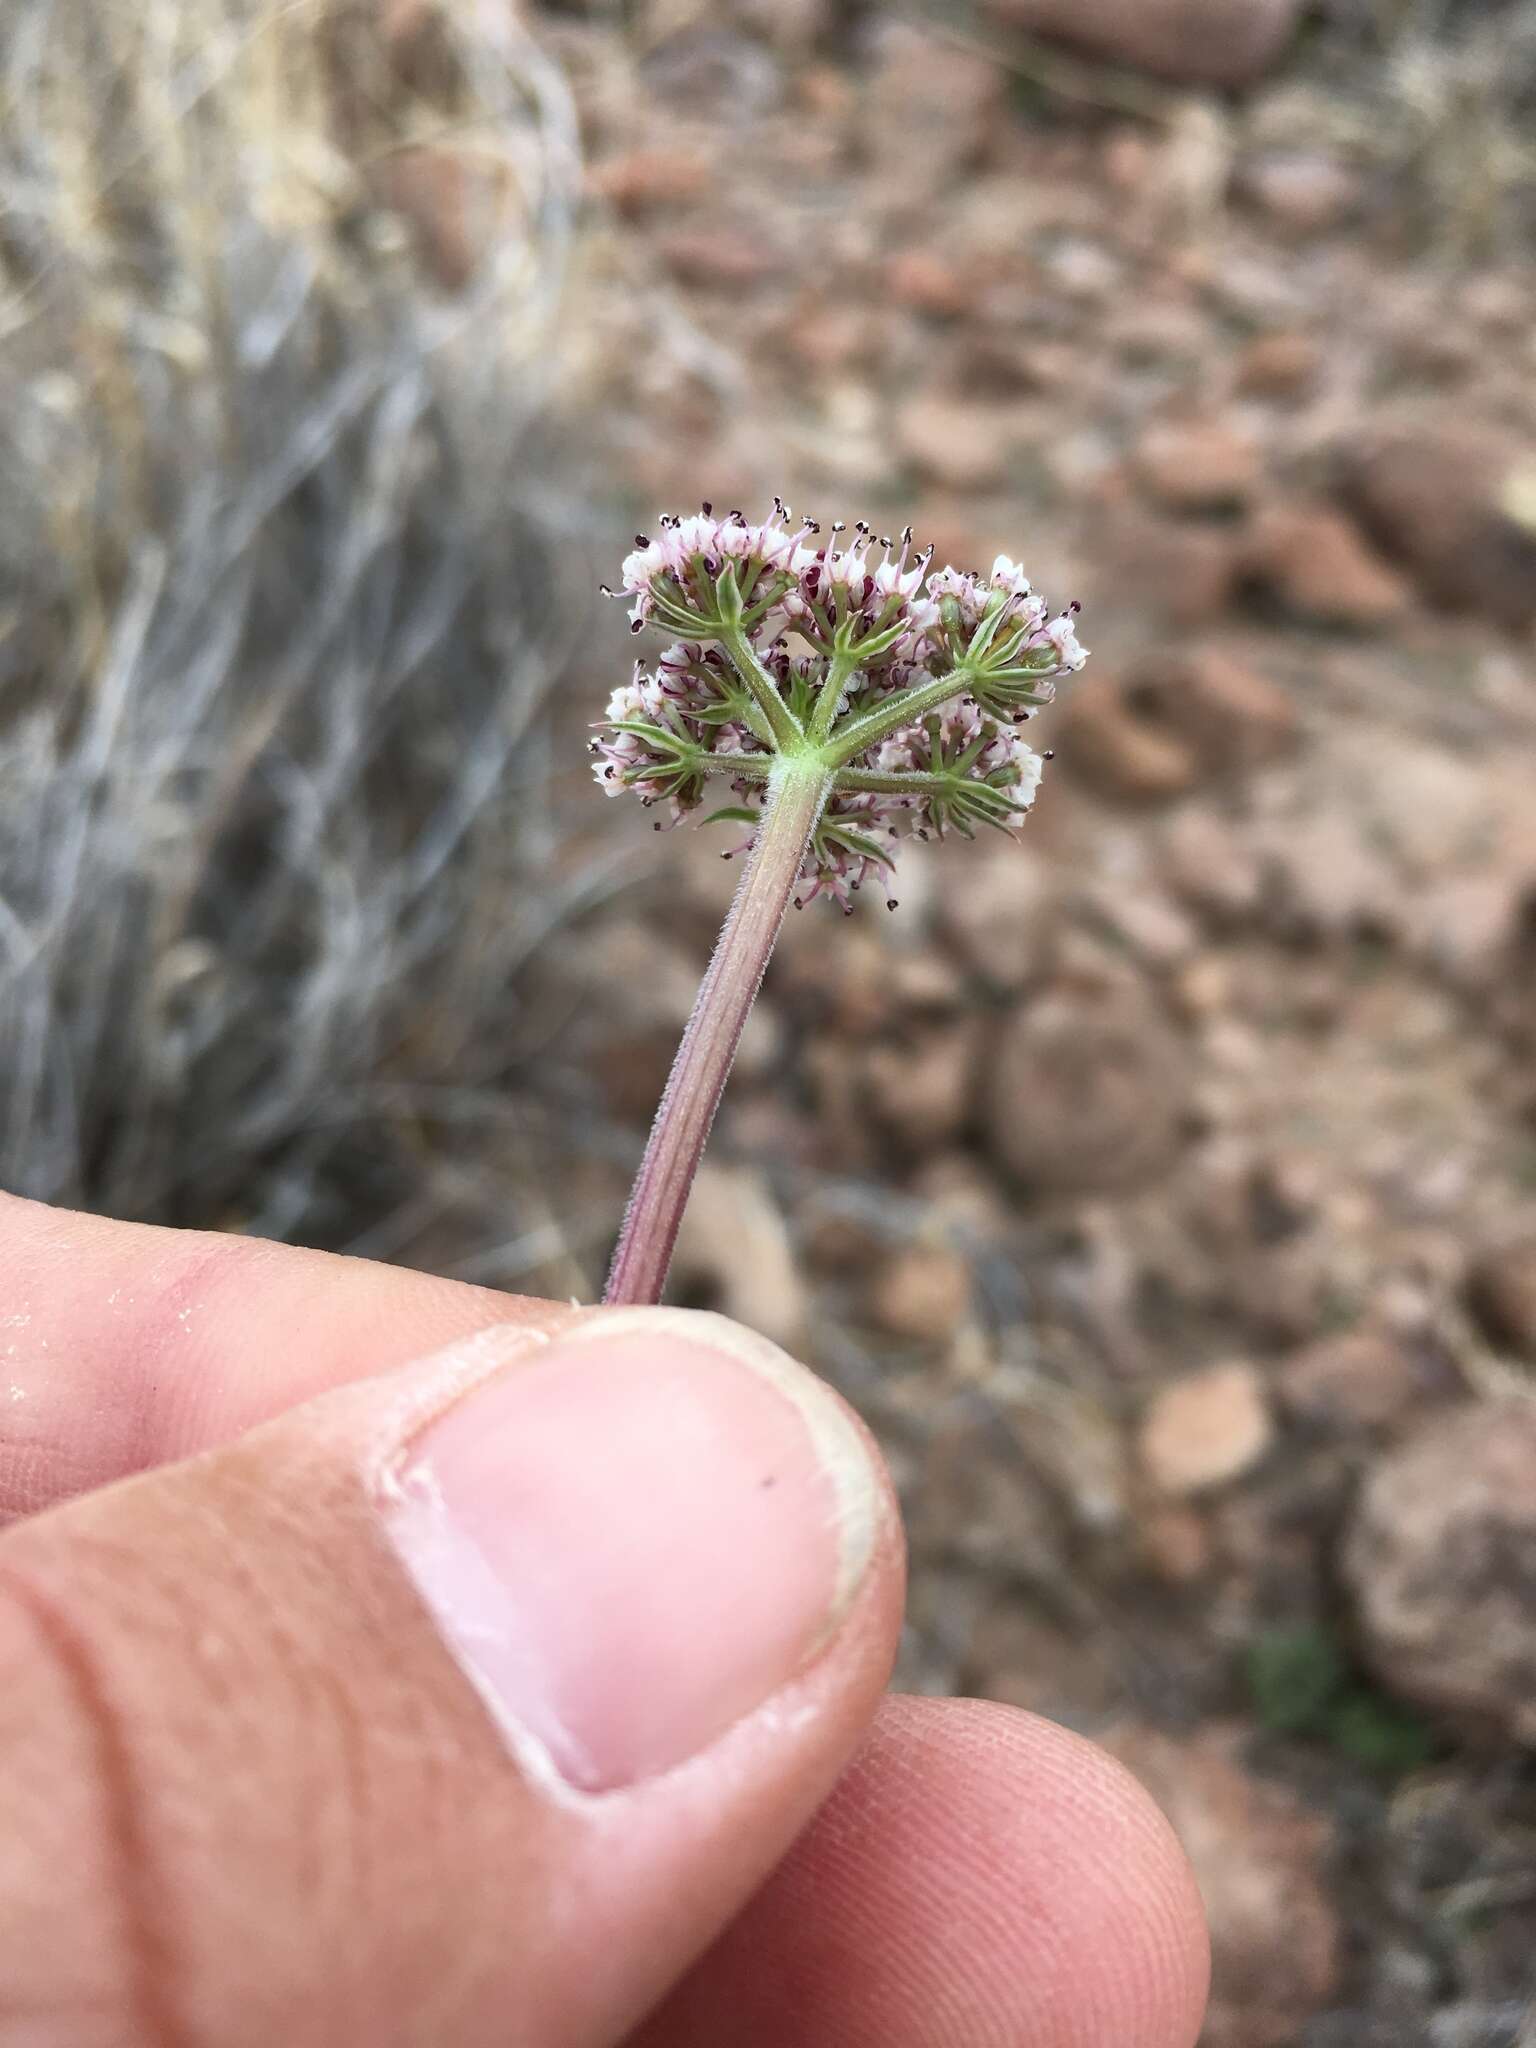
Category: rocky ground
[1163,1187]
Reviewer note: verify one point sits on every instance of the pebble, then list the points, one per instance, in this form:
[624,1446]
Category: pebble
[1205,1430]
[1440,1557]
[1197,467]
[1502,1290]
[923,1294]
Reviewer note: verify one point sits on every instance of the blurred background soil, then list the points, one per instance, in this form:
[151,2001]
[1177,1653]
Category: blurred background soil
[1163,1187]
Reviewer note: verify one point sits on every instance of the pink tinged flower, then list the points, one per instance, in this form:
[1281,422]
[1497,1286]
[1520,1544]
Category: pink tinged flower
[887,607]
[852,845]
[673,575]
[1008,577]
[1062,634]
[988,776]
[964,589]
[644,696]
[1030,766]
[873,599]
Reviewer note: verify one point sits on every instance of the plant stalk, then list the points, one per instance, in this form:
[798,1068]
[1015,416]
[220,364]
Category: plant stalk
[797,791]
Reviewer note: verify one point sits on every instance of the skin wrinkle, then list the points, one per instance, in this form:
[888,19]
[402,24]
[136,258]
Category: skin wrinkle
[148,1946]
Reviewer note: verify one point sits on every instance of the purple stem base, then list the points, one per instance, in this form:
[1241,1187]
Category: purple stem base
[697,1081]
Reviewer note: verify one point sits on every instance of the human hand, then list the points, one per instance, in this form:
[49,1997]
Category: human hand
[505,1696]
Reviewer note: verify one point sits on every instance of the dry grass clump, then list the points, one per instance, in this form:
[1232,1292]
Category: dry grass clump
[276,592]
[1439,101]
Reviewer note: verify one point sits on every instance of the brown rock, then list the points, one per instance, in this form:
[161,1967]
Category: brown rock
[1441,1559]
[1453,503]
[1230,717]
[718,256]
[1003,363]
[1502,1290]
[1018,1656]
[996,909]
[793,26]
[1176,1544]
[1193,42]
[1205,1430]
[734,1254]
[840,1234]
[1435,809]
[1215,871]
[955,444]
[1183,574]
[1281,1290]
[1197,466]
[845,1134]
[642,181]
[923,1294]
[1360,1380]
[1150,928]
[921,986]
[825,335]
[1328,882]
[1285,1195]
[1301,192]
[1157,333]
[930,111]
[1118,754]
[1281,365]
[1257,1856]
[962,1198]
[1317,566]
[826,92]
[844,988]
[927,283]
[973,1496]
[1469,927]
[1086,1091]
[1203,988]
[920,1092]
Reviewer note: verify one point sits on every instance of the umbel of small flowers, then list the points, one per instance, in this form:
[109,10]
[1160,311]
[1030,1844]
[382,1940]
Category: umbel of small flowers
[905,685]
[840,694]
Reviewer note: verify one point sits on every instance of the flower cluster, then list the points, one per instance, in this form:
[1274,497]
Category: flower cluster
[901,683]
[673,579]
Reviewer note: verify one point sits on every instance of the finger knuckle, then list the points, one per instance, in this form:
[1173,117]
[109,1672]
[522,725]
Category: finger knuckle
[86,1950]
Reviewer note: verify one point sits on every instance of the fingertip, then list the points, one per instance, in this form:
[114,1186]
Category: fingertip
[979,1875]
[1074,1869]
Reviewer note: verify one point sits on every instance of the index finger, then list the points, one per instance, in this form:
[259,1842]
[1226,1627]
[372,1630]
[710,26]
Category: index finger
[124,1346]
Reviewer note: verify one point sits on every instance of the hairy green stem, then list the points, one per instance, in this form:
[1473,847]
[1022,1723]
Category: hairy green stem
[904,708]
[839,671]
[901,782]
[797,792]
[740,767]
[782,725]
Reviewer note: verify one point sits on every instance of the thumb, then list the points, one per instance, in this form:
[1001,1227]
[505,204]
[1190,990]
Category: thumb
[463,1704]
